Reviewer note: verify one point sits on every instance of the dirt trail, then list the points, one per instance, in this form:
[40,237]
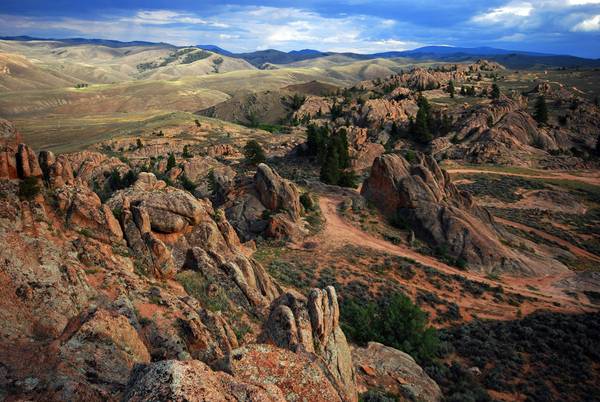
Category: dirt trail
[339,232]
[569,246]
[588,179]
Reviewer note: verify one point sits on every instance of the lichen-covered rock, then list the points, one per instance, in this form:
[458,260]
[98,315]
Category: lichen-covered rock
[105,347]
[312,326]
[193,381]
[298,376]
[382,367]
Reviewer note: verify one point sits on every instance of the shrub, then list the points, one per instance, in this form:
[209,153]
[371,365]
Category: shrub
[254,153]
[187,184]
[393,321]
[307,201]
[29,188]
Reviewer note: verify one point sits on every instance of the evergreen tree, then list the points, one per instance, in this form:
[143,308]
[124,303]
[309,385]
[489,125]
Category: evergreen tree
[451,88]
[316,141]
[330,169]
[422,121]
[341,142]
[171,162]
[254,153]
[541,110]
[495,91]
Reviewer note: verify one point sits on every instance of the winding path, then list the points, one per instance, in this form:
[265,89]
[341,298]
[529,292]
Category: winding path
[338,232]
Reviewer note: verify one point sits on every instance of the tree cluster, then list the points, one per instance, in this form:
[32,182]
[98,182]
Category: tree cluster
[331,152]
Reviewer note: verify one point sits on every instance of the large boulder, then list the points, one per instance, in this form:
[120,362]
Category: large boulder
[382,367]
[312,326]
[269,205]
[193,381]
[422,195]
[85,213]
[276,193]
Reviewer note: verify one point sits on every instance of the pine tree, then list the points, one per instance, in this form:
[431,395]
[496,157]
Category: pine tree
[171,162]
[423,121]
[541,110]
[421,127]
[342,148]
[330,170]
[451,88]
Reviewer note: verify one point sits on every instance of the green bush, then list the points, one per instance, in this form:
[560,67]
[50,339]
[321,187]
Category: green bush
[307,201]
[394,321]
[254,153]
[29,188]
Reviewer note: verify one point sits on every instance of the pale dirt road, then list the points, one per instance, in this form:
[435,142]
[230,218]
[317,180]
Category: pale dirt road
[591,178]
[569,246]
[338,232]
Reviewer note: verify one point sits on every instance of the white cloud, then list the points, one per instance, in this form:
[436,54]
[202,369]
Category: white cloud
[238,28]
[516,37]
[508,14]
[588,25]
[582,2]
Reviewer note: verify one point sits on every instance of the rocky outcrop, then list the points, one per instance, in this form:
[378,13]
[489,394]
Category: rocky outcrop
[113,343]
[170,231]
[27,163]
[297,376]
[383,110]
[9,143]
[93,168]
[314,106]
[276,193]
[57,170]
[312,325]
[268,205]
[422,195]
[193,381]
[395,372]
[86,214]
[222,150]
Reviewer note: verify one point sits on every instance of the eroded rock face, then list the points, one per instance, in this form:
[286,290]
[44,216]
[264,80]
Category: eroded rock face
[170,231]
[27,163]
[112,342]
[85,213]
[276,193]
[312,325]
[9,142]
[383,367]
[422,195]
[193,381]
[313,106]
[268,205]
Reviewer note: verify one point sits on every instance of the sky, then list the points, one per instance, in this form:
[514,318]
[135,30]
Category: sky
[548,26]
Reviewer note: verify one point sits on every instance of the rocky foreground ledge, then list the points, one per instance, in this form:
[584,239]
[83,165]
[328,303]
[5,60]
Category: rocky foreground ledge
[91,309]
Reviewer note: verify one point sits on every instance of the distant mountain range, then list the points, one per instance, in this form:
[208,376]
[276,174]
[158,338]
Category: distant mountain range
[510,58]
[84,41]
[515,59]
